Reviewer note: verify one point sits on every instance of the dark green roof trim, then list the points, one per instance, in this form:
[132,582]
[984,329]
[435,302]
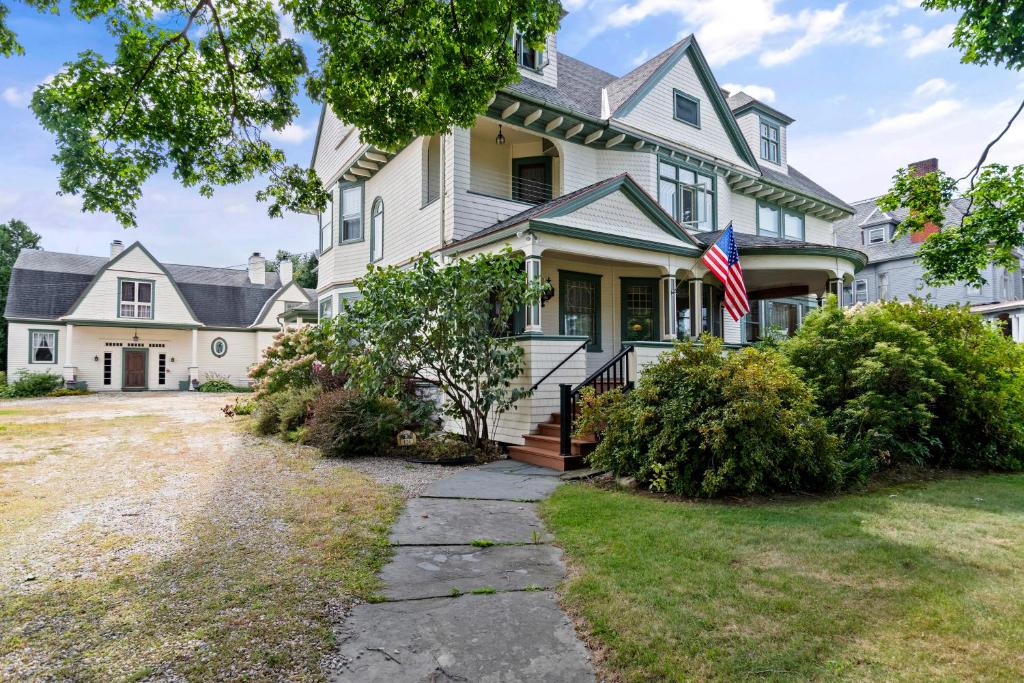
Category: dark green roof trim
[690,47]
[140,324]
[109,264]
[636,195]
[617,240]
[852,255]
[764,109]
[272,300]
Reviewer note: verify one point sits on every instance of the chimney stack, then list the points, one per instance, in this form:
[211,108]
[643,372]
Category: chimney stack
[923,167]
[257,269]
[285,270]
[116,247]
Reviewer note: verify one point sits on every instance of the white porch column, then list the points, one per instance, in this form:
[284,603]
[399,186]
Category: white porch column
[533,319]
[1015,327]
[835,286]
[69,366]
[193,368]
[669,316]
[696,286]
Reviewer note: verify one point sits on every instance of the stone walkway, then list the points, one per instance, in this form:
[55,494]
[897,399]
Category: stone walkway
[469,594]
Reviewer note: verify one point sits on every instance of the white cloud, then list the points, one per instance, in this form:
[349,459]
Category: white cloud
[934,87]
[16,97]
[910,32]
[819,26]
[644,55]
[292,134]
[933,41]
[954,131]
[758,92]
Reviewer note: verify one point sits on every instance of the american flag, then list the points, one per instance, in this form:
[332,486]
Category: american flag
[723,259]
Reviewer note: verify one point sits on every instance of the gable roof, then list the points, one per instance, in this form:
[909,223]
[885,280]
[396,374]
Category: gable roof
[47,285]
[572,201]
[741,102]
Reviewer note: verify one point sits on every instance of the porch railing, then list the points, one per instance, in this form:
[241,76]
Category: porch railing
[560,364]
[612,375]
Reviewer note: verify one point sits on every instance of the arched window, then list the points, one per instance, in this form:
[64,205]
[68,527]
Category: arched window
[431,169]
[377,230]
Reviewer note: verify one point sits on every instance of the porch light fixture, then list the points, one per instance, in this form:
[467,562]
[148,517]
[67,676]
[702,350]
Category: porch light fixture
[135,337]
[501,137]
[549,292]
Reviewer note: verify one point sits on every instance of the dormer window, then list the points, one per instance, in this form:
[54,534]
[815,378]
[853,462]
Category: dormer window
[687,109]
[135,299]
[526,56]
[770,142]
[875,235]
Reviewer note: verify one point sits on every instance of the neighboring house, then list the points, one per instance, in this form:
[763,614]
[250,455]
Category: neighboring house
[894,273]
[130,322]
[611,188]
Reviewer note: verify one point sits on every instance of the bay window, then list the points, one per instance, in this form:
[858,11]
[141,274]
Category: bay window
[135,299]
[775,221]
[687,196]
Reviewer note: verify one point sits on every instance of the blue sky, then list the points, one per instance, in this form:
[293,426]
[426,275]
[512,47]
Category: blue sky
[871,85]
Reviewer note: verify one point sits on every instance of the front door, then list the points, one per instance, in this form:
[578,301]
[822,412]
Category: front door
[134,369]
[639,309]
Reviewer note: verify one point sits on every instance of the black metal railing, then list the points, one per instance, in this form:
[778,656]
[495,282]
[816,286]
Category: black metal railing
[612,375]
[560,364]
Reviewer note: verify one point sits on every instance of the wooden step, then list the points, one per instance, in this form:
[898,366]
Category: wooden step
[554,444]
[541,458]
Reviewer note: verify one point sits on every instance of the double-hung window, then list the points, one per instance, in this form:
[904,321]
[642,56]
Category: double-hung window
[687,196]
[42,346]
[859,292]
[136,299]
[327,227]
[326,310]
[874,235]
[774,221]
[350,225]
[883,286]
[770,142]
[527,56]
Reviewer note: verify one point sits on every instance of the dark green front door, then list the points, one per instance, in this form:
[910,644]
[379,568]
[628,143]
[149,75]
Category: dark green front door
[639,309]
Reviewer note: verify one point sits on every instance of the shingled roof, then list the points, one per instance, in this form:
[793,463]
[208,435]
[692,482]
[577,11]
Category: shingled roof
[46,284]
[748,243]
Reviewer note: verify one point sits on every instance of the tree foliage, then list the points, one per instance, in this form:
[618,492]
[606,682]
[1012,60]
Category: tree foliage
[15,235]
[194,86]
[303,267]
[446,326]
[986,33]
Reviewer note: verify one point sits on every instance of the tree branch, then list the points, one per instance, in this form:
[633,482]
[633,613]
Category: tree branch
[973,173]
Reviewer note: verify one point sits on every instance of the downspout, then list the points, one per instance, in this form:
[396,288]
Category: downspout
[444,185]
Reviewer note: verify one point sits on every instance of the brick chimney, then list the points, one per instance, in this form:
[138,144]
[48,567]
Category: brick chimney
[924,166]
[116,247]
[257,269]
[285,270]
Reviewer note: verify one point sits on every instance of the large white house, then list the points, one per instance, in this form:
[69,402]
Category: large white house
[611,187]
[129,322]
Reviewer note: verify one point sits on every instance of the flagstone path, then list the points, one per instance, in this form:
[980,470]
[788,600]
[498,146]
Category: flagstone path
[459,611]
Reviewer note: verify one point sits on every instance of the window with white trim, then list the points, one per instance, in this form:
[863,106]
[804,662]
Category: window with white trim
[860,291]
[136,299]
[774,221]
[883,286]
[687,196]
[327,226]
[42,346]
[351,223]
[526,56]
[326,310]
[377,230]
[875,235]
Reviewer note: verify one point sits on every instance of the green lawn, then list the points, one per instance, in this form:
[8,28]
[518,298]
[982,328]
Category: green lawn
[911,583]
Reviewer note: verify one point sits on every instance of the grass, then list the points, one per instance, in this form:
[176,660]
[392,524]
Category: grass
[916,582]
[270,543]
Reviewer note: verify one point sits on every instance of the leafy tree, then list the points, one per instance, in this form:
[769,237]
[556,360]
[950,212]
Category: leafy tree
[303,267]
[990,231]
[15,235]
[193,86]
[446,326]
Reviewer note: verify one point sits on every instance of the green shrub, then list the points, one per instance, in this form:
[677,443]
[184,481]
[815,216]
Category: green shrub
[913,382]
[293,407]
[31,384]
[700,423]
[265,416]
[218,386]
[64,391]
[347,423]
[3,378]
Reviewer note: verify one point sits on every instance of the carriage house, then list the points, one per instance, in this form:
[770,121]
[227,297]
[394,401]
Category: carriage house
[611,187]
[129,322]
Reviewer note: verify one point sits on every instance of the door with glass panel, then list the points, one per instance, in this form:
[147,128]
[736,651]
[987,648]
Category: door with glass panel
[639,309]
[580,306]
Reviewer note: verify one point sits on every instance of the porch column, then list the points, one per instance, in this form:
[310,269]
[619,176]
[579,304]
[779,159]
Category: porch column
[68,373]
[533,323]
[696,286]
[669,315]
[193,368]
[835,286]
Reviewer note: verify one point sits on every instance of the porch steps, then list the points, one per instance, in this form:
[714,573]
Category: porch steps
[543,448]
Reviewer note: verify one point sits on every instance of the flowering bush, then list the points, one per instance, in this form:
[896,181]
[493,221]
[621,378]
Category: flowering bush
[295,359]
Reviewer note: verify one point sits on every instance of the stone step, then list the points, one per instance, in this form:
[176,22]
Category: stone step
[543,458]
